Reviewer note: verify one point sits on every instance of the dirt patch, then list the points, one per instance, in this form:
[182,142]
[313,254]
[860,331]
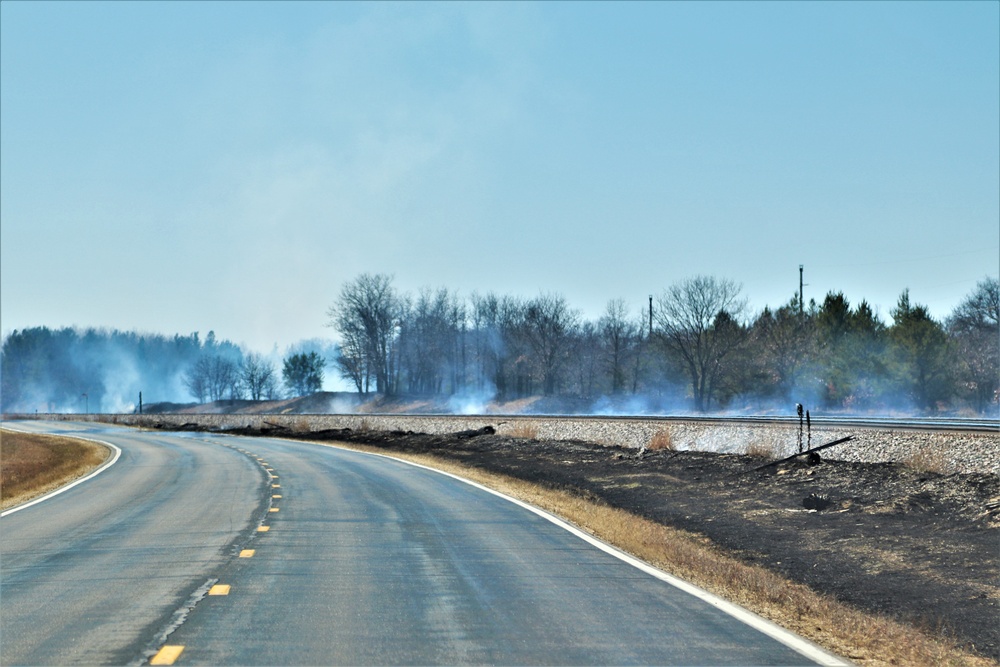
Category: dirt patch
[918,547]
[31,465]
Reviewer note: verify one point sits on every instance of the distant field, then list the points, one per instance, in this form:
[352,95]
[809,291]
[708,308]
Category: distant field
[31,465]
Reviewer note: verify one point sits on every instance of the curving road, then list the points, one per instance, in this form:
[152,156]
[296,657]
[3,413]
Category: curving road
[366,560]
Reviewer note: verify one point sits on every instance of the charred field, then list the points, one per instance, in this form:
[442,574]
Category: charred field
[921,548]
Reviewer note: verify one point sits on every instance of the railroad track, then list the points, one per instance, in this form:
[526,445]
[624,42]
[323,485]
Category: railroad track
[973,445]
[877,423]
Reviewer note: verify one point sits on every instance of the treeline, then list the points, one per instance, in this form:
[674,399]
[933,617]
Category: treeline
[100,370]
[697,347]
[73,370]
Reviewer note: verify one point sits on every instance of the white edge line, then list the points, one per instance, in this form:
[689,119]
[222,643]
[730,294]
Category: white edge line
[104,466]
[759,623]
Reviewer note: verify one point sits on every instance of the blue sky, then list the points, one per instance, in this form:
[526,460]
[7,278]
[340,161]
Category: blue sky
[179,167]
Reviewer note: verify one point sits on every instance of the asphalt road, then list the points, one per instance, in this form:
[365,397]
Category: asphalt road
[366,560]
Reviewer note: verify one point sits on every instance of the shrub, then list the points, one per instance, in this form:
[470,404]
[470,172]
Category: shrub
[526,430]
[661,440]
[762,450]
[928,459]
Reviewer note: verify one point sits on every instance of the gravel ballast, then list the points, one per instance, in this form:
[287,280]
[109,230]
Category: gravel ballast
[946,451]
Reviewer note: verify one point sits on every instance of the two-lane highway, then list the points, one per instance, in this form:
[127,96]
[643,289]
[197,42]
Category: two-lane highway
[366,560]
[90,575]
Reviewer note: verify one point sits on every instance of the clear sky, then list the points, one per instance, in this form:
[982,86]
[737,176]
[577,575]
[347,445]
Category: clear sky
[190,166]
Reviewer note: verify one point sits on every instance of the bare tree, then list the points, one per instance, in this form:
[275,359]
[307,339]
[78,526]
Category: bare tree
[975,329]
[257,376]
[587,359]
[697,321]
[549,326]
[481,315]
[212,376]
[196,379]
[429,341]
[499,347]
[619,337]
[352,362]
[367,315]
[224,377]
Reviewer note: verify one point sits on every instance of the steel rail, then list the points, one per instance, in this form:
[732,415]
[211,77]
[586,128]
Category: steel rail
[875,423]
[953,425]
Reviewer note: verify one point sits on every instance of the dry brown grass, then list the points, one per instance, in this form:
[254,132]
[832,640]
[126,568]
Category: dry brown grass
[928,459]
[31,464]
[859,636]
[301,425]
[526,430]
[763,450]
[661,440]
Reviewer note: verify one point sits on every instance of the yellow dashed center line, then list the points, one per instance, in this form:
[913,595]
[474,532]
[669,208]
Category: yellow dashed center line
[263,529]
[219,589]
[276,486]
[274,495]
[273,509]
[166,655]
[247,553]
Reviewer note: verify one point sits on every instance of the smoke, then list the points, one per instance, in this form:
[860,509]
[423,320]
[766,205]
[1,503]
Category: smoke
[472,402]
[667,401]
[77,371]
[343,405]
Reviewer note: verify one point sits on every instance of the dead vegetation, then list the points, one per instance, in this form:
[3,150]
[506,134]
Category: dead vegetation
[929,459]
[301,425]
[863,637]
[662,440]
[767,451]
[31,465]
[523,429]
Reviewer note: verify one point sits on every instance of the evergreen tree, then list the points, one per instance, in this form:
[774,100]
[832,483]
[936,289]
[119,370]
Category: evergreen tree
[921,356]
[303,373]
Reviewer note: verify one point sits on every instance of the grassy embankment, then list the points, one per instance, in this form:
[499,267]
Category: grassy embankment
[863,638]
[31,464]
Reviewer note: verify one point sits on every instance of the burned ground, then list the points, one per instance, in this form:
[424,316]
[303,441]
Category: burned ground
[919,547]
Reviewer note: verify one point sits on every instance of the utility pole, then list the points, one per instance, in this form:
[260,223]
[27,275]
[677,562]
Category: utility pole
[801,297]
[651,316]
